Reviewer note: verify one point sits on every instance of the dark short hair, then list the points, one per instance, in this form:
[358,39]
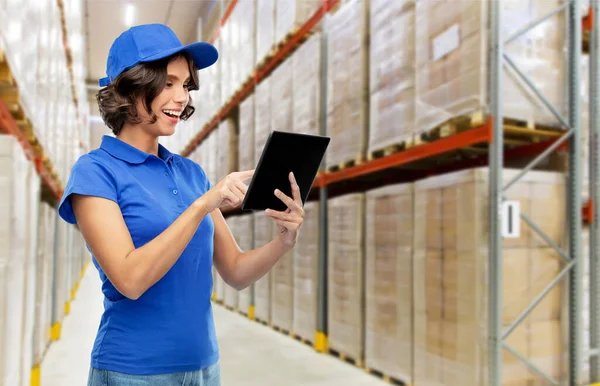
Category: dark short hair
[117,102]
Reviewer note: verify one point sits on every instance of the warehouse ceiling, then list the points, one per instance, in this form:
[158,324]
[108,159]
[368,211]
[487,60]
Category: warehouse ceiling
[105,20]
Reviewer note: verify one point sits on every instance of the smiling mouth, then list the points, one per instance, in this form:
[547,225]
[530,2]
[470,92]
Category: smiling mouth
[172,114]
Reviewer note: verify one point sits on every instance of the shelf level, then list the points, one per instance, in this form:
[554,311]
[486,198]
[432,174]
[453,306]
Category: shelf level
[9,126]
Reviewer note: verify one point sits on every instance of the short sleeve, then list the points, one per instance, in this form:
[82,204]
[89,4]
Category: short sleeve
[88,177]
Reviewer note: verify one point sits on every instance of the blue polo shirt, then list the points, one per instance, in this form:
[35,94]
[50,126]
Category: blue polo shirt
[170,328]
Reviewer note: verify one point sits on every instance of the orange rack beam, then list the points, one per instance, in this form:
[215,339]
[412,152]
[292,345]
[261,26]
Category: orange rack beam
[261,72]
[9,126]
[228,12]
[481,134]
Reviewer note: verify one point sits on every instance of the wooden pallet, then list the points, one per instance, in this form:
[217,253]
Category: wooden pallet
[301,339]
[386,378]
[404,144]
[281,330]
[346,164]
[348,359]
[452,126]
[264,323]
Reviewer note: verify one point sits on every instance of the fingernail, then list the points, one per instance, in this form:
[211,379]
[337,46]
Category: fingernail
[276,191]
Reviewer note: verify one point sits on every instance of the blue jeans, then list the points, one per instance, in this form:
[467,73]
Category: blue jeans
[210,376]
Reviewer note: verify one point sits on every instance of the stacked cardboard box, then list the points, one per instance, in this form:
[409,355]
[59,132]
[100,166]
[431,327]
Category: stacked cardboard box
[282,91]
[243,53]
[585,259]
[245,236]
[246,138]
[19,200]
[306,273]
[392,72]
[262,123]
[347,82]
[13,242]
[452,42]
[265,28]
[231,298]
[30,267]
[307,86]
[292,14]
[45,265]
[345,259]
[282,282]
[451,283]
[263,234]
[227,141]
[388,281]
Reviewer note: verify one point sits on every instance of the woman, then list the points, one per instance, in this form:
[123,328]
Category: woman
[153,223]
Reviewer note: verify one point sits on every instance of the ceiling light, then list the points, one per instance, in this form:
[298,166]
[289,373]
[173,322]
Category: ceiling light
[129,14]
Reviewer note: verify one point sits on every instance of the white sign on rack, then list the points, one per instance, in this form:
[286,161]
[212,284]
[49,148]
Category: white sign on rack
[511,219]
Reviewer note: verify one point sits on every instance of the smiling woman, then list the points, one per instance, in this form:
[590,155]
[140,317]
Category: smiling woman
[149,93]
[153,223]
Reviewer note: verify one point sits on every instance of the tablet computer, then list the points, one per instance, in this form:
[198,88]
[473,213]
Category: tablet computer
[284,152]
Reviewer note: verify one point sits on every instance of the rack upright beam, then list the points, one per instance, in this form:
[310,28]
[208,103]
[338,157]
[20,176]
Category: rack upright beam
[498,57]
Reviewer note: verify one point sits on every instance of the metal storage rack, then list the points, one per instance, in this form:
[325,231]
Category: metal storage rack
[492,134]
[594,179]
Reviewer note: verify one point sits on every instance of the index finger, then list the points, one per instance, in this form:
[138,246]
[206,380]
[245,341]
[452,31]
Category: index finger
[295,190]
[246,174]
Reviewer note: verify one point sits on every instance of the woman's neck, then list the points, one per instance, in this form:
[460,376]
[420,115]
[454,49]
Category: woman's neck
[137,138]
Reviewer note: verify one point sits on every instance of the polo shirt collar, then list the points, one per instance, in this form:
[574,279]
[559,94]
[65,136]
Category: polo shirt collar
[128,153]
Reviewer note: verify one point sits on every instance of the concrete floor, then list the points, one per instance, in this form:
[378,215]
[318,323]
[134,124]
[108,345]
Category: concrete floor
[251,354]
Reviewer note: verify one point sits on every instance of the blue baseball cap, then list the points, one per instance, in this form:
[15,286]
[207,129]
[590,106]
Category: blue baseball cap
[150,42]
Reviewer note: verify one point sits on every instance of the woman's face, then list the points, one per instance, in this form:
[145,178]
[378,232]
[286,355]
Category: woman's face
[172,100]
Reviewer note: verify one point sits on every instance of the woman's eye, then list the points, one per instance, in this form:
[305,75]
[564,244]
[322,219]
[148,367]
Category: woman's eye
[169,84]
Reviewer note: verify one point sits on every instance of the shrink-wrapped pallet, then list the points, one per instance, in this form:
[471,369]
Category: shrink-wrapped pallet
[246,138]
[227,57]
[227,143]
[292,14]
[263,234]
[212,149]
[262,123]
[265,28]
[392,72]
[388,281]
[345,267]
[30,269]
[347,83]
[452,45]
[282,287]
[13,244]
[585,259]
[232,294]
[43,279]
[243,20]
[306,273]
[282,91]
[307,86]
[245,236]
[451,283]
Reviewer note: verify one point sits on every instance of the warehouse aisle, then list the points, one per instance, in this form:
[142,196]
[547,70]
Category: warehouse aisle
[252,354]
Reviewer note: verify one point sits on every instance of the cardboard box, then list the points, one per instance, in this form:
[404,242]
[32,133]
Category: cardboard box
[345,260]
[306,273]
[388,281]
[451,286]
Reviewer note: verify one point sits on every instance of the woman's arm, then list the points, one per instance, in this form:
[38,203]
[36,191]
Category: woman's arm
[240,269]
[133,270]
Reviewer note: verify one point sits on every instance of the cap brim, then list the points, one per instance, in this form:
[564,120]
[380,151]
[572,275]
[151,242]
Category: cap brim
[204,54]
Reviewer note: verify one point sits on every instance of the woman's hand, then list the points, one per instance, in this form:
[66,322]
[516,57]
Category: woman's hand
[290,220]
[229,192]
